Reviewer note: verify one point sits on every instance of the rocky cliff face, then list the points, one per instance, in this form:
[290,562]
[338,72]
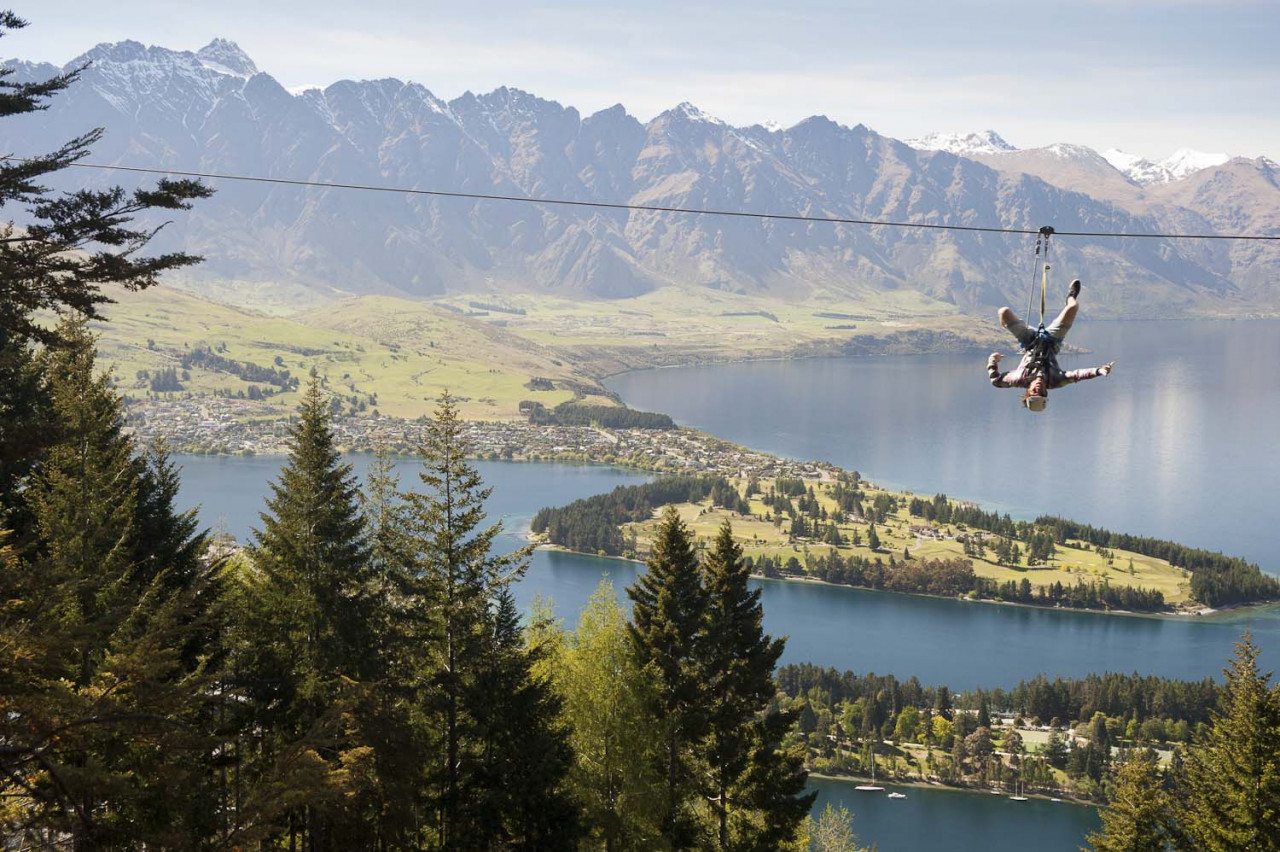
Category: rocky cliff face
[213,111]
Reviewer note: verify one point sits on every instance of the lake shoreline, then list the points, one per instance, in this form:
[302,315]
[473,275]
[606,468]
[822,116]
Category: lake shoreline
[1206,613]
[855,778]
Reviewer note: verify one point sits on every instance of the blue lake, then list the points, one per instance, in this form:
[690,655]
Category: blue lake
[1180,442]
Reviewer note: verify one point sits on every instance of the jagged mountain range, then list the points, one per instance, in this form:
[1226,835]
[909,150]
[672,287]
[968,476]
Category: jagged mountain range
[213,110]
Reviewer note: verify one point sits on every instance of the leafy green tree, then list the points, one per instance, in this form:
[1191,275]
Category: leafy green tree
[1231,789]
[609,705]
[832,831]
[72,245]
[389,794]
[668,616]
[1137,817]
[907,725]
[942,703]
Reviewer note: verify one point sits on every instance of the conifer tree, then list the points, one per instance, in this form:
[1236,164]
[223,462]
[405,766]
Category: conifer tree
[390,795]
[1231,790]
[1137,816]
[102,709]
[523,748]
[738,661]
[667,630]
[457,585]
[609,704]
[307,643]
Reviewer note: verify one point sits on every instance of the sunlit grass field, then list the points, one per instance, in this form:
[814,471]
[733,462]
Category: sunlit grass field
[1071,563]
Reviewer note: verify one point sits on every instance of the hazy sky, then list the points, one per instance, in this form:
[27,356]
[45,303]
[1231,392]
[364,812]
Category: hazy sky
[1147,76]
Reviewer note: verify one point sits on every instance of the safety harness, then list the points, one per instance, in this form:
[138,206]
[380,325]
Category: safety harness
[1043,348]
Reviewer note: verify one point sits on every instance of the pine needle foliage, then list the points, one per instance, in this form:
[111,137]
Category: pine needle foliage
[1137,817]
[103,707]
[1230,794]
[667,632]
[457,583]
[304,647]
[753,789]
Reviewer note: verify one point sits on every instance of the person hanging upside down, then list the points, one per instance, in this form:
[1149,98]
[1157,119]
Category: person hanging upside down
[1038,371]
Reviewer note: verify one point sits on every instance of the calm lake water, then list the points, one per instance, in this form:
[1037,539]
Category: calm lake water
[956,821]
[1180,442]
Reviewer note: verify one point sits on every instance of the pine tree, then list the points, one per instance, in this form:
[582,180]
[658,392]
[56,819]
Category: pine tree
[1231,792]
[738,661]
[108,687]
[1137,816]
[666,632]
[524,753]
[389,797]
[609,704]
[307,642]
[458,583]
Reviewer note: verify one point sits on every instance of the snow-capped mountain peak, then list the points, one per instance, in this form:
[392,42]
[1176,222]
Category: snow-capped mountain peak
[226,57]
[982,142]
[1185,161]
[1068,151]
[692,113]
[1177,166]
[1138,169]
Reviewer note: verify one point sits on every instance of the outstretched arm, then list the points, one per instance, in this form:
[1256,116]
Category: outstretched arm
[1088,373]
[993,371]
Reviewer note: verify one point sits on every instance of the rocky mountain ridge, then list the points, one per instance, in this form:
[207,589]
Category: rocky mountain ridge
[213,111]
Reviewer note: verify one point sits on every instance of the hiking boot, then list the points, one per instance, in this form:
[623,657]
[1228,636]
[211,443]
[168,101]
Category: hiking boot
[1074,291]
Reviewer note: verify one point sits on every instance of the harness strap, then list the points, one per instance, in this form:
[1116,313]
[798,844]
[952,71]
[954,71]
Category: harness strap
[1046,232]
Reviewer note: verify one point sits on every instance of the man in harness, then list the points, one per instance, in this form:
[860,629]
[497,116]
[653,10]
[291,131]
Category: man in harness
[1038,371]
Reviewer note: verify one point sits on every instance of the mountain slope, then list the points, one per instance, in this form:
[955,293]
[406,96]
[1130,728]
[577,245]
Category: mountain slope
[213,111]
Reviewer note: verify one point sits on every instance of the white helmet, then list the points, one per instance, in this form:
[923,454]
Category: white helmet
[1036,403]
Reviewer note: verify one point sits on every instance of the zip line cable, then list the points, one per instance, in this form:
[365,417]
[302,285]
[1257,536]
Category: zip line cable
[652,208]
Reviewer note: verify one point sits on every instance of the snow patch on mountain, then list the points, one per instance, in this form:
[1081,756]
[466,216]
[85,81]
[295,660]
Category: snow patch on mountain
[692,113]
[963,144]
[1068,151]
[1185,161]
[1180,164]
[226,57]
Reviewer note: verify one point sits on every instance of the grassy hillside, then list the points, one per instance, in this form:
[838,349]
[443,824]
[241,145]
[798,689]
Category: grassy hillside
[397,355]
[1071,563]
[393,355]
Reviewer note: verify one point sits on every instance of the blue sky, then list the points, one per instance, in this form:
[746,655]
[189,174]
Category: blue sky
[1142,75]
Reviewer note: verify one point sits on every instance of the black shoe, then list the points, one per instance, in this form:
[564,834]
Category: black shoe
[1074,291]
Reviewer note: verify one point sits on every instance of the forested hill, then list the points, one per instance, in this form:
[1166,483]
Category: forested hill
[846,530]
